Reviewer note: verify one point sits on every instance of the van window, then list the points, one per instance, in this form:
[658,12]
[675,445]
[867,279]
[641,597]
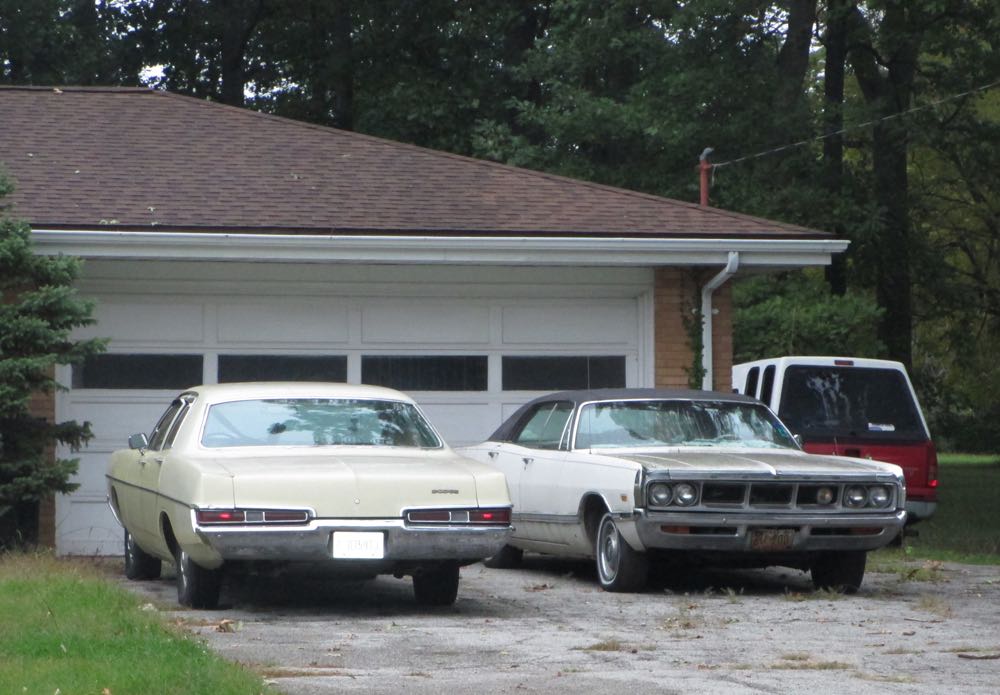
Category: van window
[826,402]
[750,389]
[768,385]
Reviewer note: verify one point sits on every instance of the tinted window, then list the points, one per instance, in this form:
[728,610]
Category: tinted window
[768,385]
[138,372]
[282,368]
[751,386]
[543,426]
[317,422]
[557,373]
[819,402]
[430,373]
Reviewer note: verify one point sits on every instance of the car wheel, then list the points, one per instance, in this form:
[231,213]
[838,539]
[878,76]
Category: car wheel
[839,571]
[436,586]
[197,587]
[507,558]
[619,566]
[138,563]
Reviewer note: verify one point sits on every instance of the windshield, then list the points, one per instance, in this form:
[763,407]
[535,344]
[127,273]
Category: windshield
[849,402]
[631,424]
[316,422]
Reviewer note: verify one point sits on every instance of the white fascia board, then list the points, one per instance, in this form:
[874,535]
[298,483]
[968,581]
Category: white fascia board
[447,250]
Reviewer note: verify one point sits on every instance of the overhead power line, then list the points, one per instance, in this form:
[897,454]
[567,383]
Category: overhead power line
[857,126]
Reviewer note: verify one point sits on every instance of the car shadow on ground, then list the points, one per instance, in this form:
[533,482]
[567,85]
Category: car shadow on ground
[672,577]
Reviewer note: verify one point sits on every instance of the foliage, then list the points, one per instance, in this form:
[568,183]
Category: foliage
[39,310]
[793,314]
[628,94]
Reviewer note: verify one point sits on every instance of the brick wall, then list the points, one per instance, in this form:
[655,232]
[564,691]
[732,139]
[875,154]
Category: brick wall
[677,291]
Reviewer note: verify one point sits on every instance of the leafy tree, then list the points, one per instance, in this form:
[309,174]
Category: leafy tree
[40,308]
[795,314]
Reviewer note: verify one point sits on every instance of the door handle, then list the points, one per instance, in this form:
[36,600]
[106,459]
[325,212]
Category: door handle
[492,454]
[527,460]
[158,459]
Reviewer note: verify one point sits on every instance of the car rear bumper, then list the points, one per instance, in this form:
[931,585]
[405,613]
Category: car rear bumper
[742,532]
[314,542]
[917,510]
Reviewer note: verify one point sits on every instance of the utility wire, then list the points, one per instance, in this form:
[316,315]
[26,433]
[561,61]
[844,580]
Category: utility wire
[848,129]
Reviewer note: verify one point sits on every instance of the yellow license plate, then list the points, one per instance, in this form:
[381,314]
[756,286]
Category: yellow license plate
[772,539]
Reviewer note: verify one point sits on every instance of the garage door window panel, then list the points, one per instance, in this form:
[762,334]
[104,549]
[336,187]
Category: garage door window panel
[138,371]
[233,368]
[548,373]
[426,373]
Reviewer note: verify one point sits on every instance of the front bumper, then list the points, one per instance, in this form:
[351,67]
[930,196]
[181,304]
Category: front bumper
[733,532]
[314,542]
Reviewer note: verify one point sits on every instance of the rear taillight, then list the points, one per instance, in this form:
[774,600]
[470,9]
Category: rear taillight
[490,516]
[210,517]
[932,465]
[480,516]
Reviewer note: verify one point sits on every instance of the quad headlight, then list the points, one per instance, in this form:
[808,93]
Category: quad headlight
[879,496]
[685,494]
[855,496]
[663,494]
[660,494]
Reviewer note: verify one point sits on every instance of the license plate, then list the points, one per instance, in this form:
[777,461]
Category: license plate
[358,545]
[771,539]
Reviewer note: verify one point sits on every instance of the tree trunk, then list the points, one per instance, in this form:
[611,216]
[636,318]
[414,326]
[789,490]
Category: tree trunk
[835,39]
[888,92]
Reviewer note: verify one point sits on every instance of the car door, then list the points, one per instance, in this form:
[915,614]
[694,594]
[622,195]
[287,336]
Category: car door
[150,463]
[537,454]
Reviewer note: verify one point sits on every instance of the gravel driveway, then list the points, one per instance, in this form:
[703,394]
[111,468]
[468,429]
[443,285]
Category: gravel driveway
[548,628]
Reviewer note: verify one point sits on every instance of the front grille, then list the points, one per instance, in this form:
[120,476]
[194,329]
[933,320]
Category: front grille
[778,495]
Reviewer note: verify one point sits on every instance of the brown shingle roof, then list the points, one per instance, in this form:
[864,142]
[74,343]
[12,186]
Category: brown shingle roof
[123,158]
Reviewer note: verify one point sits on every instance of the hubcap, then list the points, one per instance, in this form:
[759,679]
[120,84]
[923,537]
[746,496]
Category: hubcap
[609,551]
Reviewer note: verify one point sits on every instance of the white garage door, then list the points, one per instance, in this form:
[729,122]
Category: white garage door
[470,345]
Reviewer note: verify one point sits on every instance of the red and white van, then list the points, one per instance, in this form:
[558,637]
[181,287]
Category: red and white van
[850,406]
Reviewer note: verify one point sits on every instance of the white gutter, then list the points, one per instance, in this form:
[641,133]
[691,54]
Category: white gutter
[732,265]
[450,250]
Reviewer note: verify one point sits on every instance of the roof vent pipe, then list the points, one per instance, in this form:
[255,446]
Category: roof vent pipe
[732,265]
[704,167]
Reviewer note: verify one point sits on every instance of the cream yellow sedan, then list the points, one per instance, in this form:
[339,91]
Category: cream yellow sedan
[352,478]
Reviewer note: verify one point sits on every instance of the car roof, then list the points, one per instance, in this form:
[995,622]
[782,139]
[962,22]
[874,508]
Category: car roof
[589,395]
[248,390]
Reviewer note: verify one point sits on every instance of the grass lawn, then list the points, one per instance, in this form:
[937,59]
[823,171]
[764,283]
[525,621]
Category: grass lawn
[64,628]
[966,526]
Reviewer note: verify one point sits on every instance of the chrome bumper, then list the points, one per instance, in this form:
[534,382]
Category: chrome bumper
[731,532]
[313,542]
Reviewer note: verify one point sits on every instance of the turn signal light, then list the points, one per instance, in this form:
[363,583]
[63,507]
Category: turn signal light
[490,516]
[207,517]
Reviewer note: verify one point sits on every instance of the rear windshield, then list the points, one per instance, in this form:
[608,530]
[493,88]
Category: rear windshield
[316,422]
[873,404]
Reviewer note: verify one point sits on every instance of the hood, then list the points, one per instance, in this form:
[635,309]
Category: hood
[757,462]
[352,483]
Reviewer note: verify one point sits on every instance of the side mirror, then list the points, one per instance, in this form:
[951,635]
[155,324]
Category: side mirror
[798,439]
[138,441]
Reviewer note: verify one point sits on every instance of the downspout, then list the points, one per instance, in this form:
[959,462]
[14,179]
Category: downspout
[732,265]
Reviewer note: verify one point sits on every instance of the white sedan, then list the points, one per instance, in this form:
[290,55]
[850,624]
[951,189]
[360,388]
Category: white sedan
[695,476]
[352,478]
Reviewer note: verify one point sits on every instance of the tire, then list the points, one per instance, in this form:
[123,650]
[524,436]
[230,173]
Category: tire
[436,586]
[197,587]
[138,563]
[507,558]
[841,571]
[620,568]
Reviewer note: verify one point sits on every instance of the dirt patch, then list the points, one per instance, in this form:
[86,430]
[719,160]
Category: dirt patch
[548,628]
